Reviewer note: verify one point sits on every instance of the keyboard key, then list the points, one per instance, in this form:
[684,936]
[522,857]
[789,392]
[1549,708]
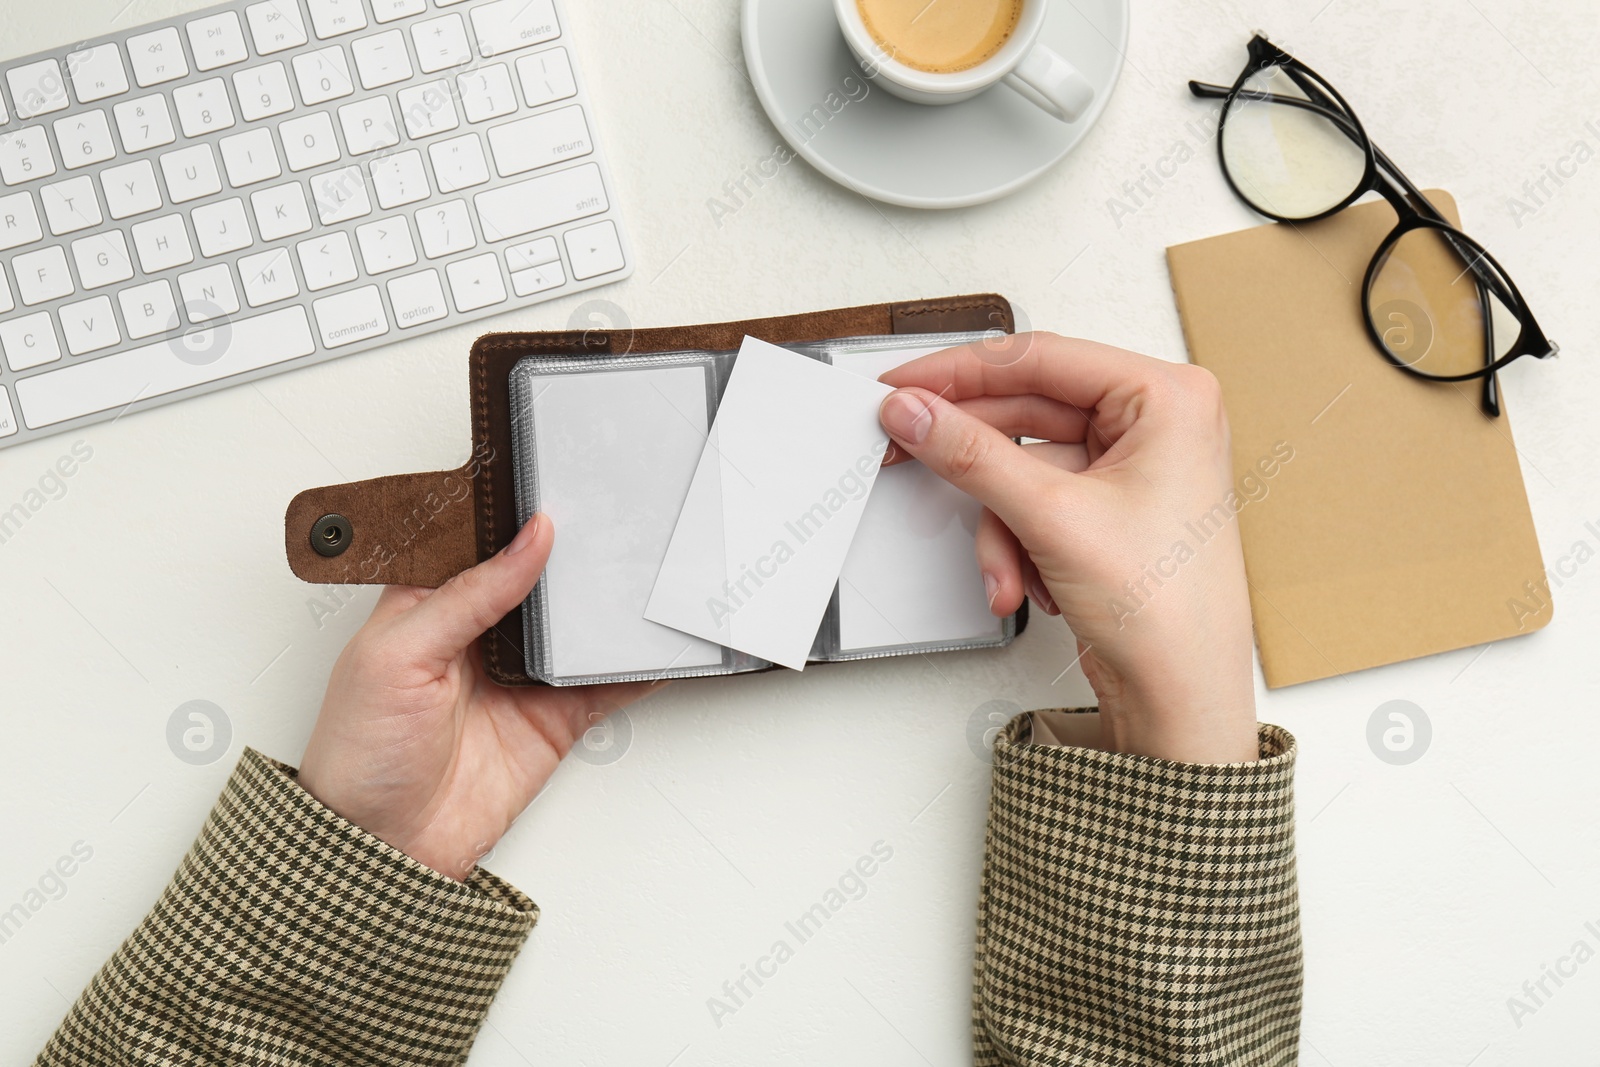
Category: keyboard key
[157,57]
[102,259]
[323,75]
[281,211]
[71,205]
[191,173]
[526,255]
[162,244]
[445,229]
[389,10]
[148,310]
[309,141]
[208,293]
[399,179]
[476,283]
[221,227]
[250,157]
[42,276]
[327,261]
[441,43]
[29,341]
[25,155]
[346,318]
[386,246]
[538,279]
[8,418]
[5,116]
[428,109]
[369,125]
[507,25]
[97,73]
[381,59]
[263,91]
[540,140]
[130,189]
[37,88]
[340,195]
[145,123]
[119,379]
[417,298]
[487,93]
[594,250]
[275,25]
[268,276]
[458,163]
[217,41]
[330,18]
[6,301]
[84,139]
[19,221]
[203,107]
[542,202]
[546,77]
[89,325]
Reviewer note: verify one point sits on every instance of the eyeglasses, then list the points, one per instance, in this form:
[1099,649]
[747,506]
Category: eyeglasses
[1436,304]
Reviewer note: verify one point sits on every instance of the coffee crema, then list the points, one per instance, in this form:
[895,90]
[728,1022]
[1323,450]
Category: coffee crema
[940,36]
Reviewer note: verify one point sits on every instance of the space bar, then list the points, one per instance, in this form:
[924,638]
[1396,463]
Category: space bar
[198,357]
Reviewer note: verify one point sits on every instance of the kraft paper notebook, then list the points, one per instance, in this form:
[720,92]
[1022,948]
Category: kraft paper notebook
[1383,517]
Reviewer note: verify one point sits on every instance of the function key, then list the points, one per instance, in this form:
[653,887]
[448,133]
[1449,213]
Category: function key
[276,25]
[217,40]
[157,57]
[389,10]
[37,88]
[331,18]
[97,73]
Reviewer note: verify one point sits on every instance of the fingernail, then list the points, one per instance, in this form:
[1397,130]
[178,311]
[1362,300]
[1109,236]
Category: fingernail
[906,417]
[525,536]
[1041,596]
[991,586]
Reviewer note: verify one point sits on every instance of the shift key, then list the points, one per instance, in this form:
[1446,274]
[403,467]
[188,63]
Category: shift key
[542,202]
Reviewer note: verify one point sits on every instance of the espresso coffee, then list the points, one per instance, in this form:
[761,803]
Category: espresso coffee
[940,36]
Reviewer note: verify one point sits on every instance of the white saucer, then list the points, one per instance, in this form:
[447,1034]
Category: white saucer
[916,155]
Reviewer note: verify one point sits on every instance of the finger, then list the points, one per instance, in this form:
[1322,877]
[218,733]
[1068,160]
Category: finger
[1077,372]
[1029,416]
[1071,458]
[396,600]
[458,612]
[1001,559]
[583,707]
[970,454]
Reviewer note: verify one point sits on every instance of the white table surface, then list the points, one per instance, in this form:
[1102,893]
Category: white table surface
[1431,892]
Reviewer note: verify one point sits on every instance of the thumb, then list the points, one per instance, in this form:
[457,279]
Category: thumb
[457,613]
[968,453]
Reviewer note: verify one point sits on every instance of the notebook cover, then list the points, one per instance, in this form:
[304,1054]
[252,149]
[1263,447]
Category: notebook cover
[1383,516]
[423,529]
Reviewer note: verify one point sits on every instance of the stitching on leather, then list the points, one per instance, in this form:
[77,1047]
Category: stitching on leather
[909,310]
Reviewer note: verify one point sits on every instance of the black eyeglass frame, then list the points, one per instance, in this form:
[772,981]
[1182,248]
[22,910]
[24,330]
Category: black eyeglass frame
[1414,210]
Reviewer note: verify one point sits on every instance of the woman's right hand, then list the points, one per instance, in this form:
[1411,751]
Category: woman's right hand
[1121,521]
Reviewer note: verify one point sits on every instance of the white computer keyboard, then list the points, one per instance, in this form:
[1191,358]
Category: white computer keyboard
[269,183]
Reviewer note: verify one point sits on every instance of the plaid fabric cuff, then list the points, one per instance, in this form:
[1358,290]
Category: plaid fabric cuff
[1137,911]
[289,935]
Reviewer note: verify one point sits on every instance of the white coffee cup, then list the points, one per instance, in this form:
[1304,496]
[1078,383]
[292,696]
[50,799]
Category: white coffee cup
[1039,74]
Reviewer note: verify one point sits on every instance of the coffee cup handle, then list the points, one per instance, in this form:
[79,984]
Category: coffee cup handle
[1049,81]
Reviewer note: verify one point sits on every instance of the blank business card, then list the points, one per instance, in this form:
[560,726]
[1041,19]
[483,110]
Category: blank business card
[615,451]
[911,576]
[773,505]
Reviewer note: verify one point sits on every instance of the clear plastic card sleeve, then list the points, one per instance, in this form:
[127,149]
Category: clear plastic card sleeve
[607,445]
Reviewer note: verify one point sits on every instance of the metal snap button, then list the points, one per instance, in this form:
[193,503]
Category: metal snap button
[331,535]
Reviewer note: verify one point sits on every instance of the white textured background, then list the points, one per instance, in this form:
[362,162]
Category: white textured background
[1431,892]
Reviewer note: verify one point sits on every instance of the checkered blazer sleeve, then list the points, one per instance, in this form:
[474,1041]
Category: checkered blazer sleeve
[289,936]
[1135,911]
